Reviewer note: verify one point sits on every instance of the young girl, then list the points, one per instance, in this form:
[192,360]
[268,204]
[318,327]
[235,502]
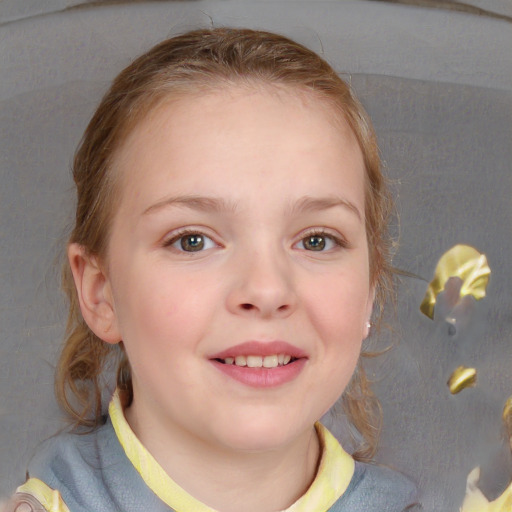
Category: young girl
[229,245]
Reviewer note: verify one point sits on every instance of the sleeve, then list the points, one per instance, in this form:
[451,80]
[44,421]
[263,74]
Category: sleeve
[35,496]
[22,502]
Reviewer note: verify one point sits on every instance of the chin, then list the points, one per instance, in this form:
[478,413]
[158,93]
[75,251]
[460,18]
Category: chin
[264,433]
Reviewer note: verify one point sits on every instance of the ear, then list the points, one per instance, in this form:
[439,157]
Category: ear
[369,309]
[94,294]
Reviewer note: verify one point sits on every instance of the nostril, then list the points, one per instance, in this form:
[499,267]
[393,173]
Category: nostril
[247,306]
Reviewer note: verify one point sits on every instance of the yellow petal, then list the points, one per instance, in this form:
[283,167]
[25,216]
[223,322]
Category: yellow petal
[461,261]
[461,378]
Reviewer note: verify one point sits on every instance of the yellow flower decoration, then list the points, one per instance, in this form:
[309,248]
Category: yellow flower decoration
[464,262]
[461,378]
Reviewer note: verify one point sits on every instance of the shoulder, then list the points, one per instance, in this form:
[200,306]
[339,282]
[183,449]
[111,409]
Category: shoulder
[90,472]
[68,466]
[375,488]
[68,453]
[384,480]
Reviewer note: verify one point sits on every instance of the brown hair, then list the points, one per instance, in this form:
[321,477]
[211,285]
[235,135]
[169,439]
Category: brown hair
[197,61]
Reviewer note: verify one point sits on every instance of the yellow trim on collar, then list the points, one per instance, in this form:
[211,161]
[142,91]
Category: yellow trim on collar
[334,473]
[51,500]
[150,471]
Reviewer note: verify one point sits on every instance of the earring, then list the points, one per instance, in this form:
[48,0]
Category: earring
[368,325]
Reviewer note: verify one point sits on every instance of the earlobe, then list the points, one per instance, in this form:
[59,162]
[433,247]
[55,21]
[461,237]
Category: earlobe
[94,294]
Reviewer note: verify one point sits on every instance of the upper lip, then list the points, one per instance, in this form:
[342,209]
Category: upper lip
[260,348]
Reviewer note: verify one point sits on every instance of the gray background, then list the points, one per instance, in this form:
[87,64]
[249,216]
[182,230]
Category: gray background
[437,80]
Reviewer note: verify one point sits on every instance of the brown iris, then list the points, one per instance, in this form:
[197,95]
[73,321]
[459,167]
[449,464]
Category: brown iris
[192,243]
[314,243]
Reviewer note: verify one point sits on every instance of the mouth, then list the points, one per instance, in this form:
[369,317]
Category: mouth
[261,364]
[254,361]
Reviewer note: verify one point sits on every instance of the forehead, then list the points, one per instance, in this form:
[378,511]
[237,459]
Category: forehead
[224,137]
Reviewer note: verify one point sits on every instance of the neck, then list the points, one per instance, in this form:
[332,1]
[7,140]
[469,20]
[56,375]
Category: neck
[232,480]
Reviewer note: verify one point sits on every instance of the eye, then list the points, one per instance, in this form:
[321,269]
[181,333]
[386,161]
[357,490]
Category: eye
[321,242]
[191,242]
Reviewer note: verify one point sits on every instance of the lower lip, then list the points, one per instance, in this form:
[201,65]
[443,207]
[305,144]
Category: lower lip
[262,377]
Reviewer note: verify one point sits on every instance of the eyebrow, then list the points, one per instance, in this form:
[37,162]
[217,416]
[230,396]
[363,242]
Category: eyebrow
[312,204]
[216,205]
[205,204]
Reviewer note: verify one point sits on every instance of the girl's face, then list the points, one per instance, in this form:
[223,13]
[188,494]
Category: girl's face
[240,240]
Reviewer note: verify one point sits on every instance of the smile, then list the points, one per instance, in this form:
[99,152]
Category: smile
[261,364]
[272,361]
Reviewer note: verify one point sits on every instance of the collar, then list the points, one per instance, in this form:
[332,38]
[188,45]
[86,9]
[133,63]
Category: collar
[335,470]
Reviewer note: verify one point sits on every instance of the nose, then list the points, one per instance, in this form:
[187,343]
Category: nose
[263,286]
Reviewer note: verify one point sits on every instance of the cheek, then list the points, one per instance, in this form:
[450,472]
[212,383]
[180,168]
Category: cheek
[338,306]
[337,312]
[164,310]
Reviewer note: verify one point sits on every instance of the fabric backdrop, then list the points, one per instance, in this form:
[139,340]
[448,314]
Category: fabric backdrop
[438,85]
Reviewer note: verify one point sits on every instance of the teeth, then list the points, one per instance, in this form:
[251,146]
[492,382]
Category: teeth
[254,361]
[240,361]
[272,361]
